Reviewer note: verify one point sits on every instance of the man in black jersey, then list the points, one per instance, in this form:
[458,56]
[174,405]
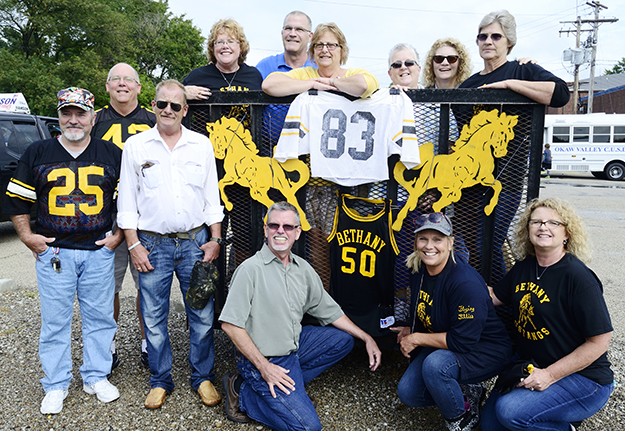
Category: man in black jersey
[116,122]
[73,181]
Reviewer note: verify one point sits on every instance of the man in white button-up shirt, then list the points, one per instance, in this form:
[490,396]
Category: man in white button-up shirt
[168,196]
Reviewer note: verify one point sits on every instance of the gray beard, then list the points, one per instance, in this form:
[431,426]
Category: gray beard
[74,137]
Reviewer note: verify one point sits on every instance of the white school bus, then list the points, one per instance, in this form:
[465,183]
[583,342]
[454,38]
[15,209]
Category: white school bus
[587,143]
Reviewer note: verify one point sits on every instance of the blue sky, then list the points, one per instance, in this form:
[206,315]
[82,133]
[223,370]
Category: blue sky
[372,27]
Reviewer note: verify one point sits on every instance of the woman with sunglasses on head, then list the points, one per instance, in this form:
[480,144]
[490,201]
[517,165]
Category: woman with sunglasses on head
[329,51]
[227,49]
[455,340]
[561,325]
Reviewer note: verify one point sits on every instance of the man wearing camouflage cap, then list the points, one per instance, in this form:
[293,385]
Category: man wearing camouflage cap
[73,180]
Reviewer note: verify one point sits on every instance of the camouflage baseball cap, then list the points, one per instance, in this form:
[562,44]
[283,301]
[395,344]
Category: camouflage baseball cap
[74,96]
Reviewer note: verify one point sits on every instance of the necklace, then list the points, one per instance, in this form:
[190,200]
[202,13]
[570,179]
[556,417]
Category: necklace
[224,77]
[541,274]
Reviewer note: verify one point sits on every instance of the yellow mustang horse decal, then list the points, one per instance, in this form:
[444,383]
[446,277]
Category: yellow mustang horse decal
[470,163]
[242,164]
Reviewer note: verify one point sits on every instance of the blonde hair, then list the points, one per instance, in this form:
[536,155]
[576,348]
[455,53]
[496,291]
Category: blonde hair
[235,31]
[413,261]
[464,62]
[336,31]
[577,244]
[171,83]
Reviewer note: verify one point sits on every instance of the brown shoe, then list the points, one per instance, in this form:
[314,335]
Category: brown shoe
[209,394]
[155,398]
[233,411]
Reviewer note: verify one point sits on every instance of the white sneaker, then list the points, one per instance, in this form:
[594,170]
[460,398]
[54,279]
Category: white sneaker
[105,391]
[52,404]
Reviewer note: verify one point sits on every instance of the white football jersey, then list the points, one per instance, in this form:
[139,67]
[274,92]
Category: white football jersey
[349,142]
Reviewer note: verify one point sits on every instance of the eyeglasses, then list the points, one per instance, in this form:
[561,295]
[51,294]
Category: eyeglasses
[275,226]
[495,37]
[408,63]
[161,104]
[549,223]
[330,46]
[451,59]
[220,43]
[432,218]
[117,78]
[289,29]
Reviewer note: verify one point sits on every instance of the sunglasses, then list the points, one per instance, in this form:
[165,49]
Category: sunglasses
[408,63]
[495,37]
[432,218]
[451,59]
[161,104]
[276,226]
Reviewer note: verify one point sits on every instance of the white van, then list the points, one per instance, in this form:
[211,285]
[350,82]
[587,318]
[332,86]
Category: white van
[587,143]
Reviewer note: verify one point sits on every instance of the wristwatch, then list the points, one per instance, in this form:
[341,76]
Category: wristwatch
[219,241]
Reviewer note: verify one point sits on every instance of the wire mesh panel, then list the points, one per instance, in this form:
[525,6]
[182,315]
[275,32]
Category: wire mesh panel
[480,155]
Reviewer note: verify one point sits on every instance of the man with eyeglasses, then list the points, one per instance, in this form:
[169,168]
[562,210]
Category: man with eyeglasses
[276,356]
[116,122]
[168,202]
[296,35]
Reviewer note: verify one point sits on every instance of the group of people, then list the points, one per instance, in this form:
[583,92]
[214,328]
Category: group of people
[169,214]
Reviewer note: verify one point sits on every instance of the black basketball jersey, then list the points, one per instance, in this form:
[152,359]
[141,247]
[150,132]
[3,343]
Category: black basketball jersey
[111,126]
[362,255]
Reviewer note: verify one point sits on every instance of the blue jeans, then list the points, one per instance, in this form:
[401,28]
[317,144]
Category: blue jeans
[433,378]
[319,349]
[169,256]
[572,399]
[87,275]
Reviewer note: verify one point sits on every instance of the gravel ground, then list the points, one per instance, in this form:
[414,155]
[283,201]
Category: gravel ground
[349,397]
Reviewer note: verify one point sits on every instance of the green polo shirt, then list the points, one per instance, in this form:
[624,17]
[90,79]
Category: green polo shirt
[269,301]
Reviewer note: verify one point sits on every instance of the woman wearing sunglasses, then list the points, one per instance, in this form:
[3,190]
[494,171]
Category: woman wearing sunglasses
[561,325]
[447,64]
[455,340]
[403,67]
[496,38]
[328,49]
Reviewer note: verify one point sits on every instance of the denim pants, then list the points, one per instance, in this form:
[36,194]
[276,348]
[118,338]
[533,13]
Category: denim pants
[433,378]
[319,349]
[572,399]
[169,256]
[87,275]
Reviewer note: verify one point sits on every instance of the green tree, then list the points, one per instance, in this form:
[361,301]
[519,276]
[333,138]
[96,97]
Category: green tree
[617,68]
[46,45]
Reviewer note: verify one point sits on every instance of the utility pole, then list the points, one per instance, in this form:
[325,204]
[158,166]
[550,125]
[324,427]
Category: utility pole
[593,42]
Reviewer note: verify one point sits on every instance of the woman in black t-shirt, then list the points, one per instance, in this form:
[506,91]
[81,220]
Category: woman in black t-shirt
[561,324]
[455,340]
[227,49]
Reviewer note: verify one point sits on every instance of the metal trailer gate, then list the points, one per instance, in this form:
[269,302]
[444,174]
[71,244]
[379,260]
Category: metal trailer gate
[483,240]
